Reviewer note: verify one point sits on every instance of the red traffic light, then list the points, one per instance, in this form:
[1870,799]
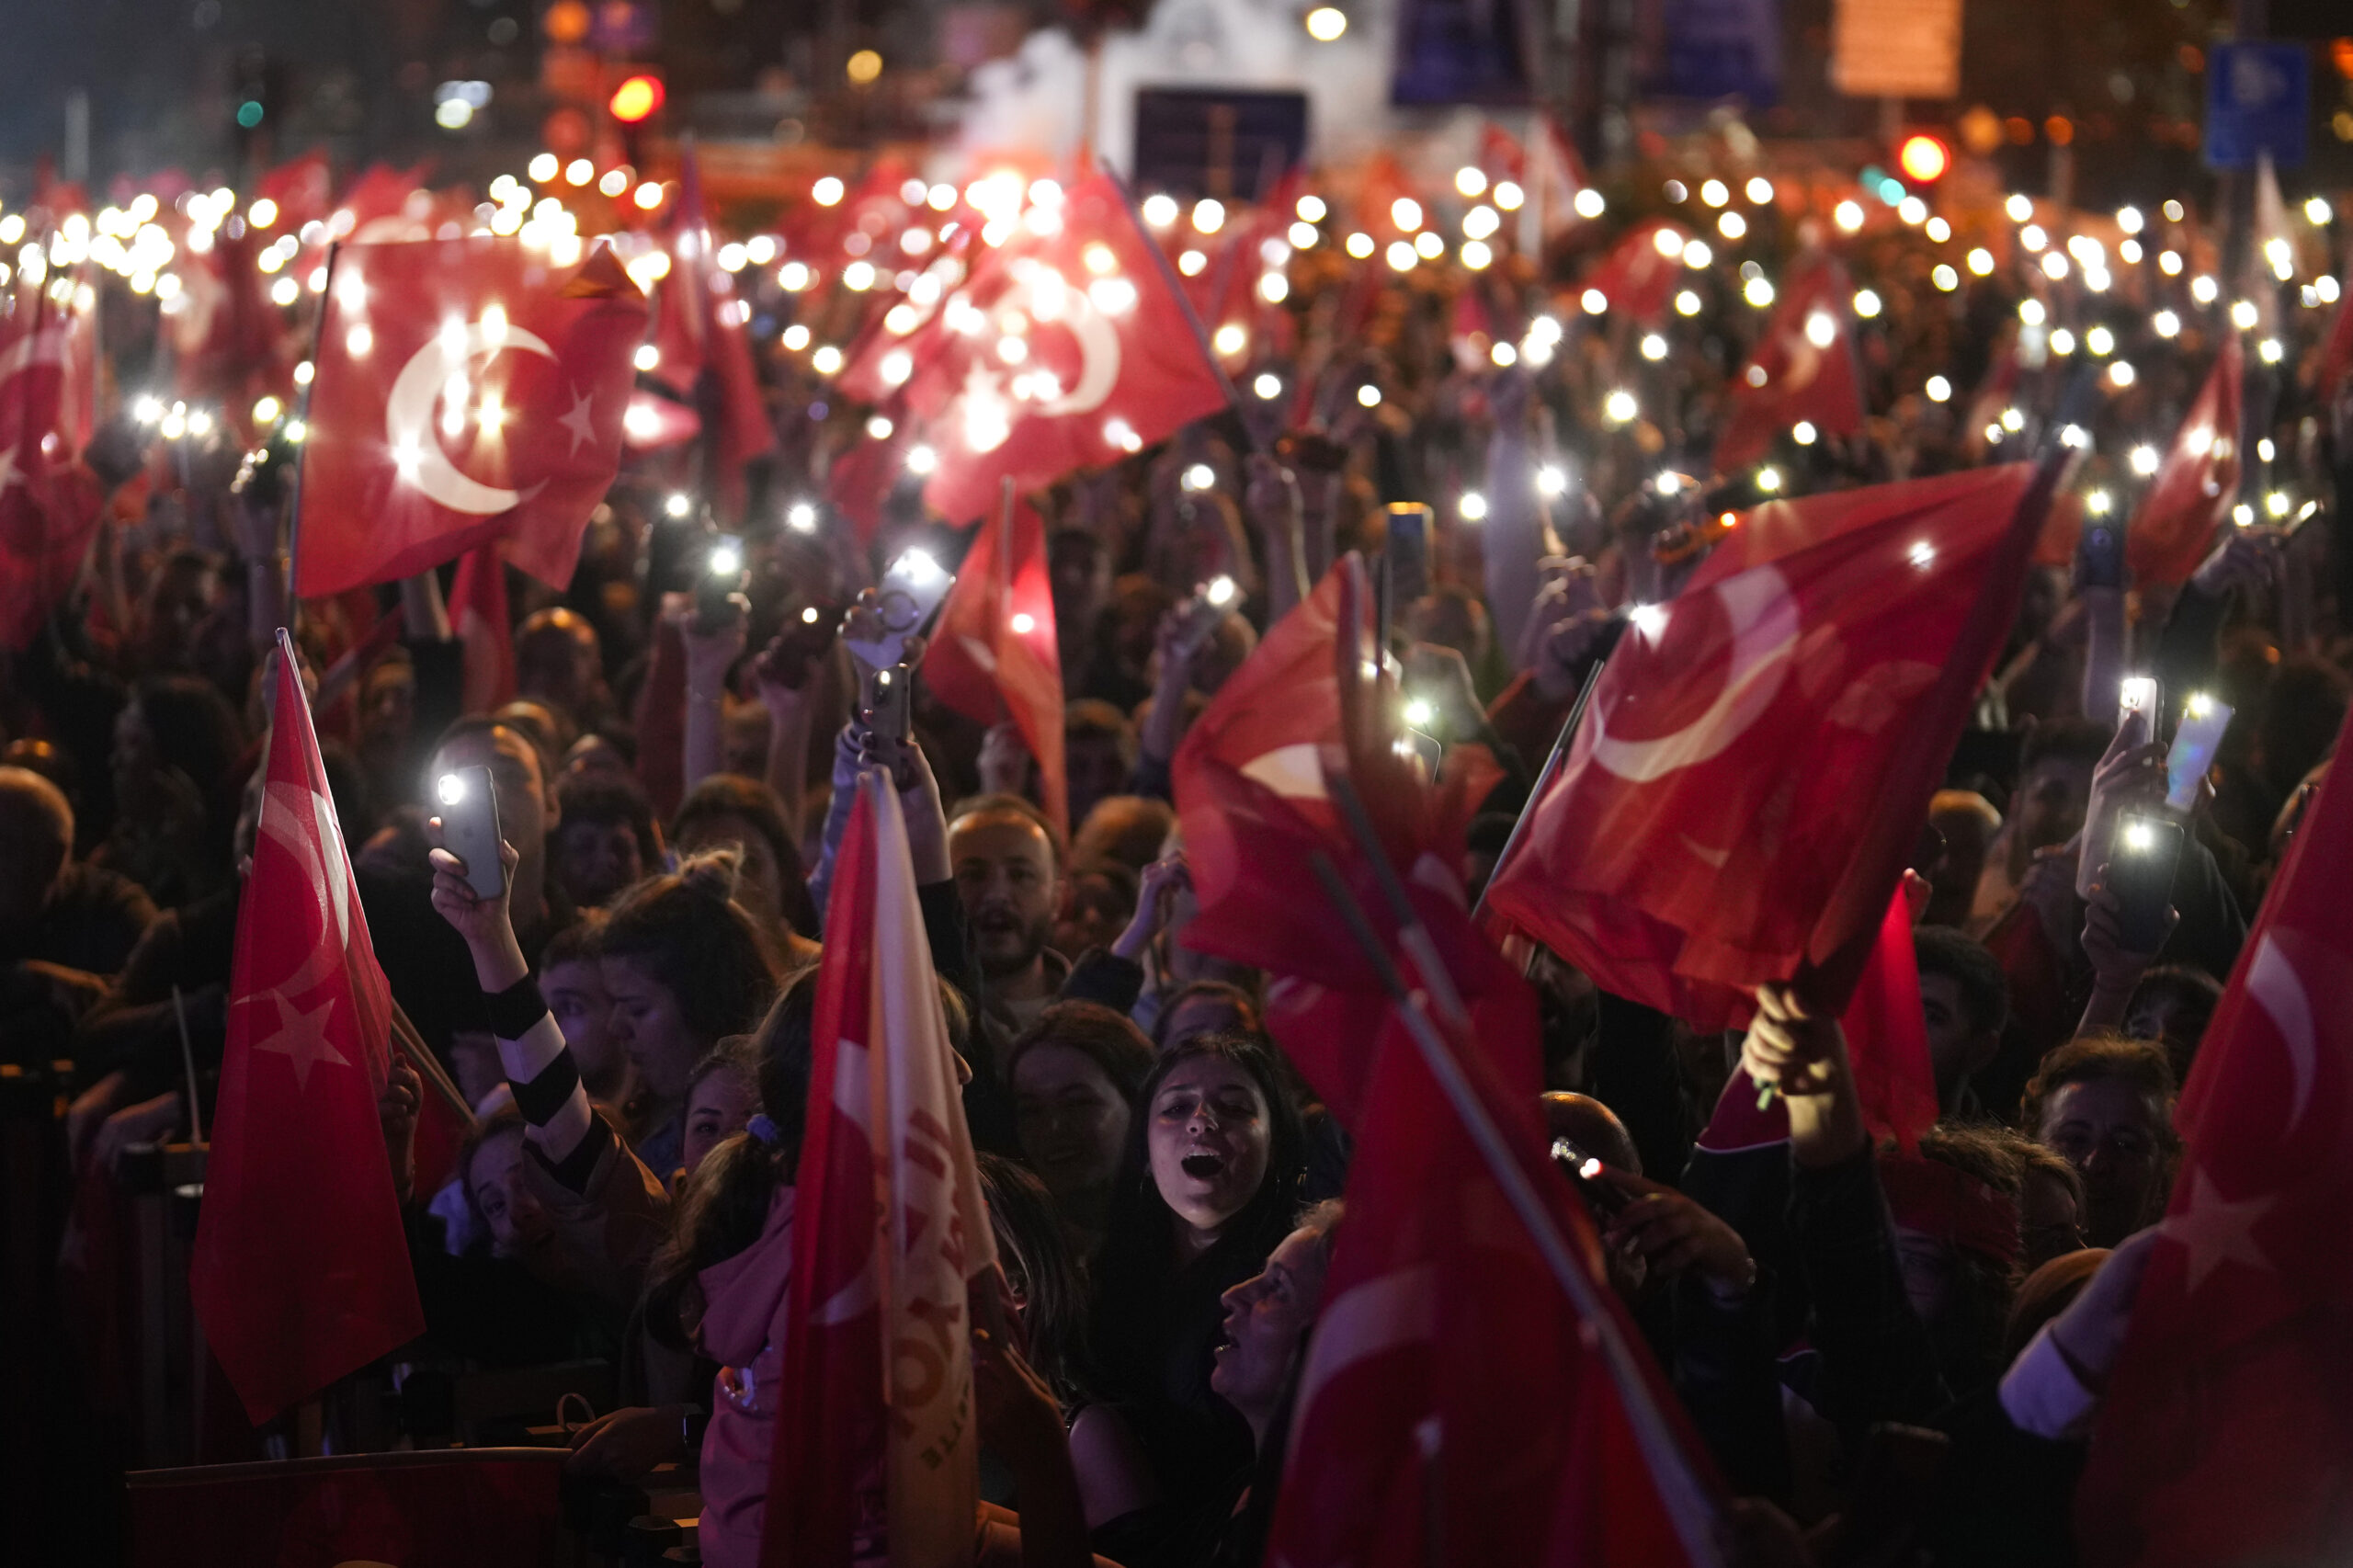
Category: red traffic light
[636,98]
[1923,158]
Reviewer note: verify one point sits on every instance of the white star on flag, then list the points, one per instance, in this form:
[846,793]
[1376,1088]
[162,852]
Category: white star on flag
[301,1037]
[2214,1231]
[577,422]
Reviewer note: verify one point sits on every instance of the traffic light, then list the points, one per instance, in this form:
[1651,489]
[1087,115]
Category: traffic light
[637,98]
[1924,157]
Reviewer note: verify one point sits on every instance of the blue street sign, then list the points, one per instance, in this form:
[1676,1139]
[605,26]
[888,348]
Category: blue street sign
[2257,99]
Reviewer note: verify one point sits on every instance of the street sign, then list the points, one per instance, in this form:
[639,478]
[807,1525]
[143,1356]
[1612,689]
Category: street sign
[2258,101]
[1896,48]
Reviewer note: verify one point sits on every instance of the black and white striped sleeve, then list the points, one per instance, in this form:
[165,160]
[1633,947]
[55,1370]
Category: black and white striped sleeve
[559,1123]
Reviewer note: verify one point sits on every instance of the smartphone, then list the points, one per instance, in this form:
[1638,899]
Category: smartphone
[1205,612]
[2142,858]
[885,701]
[1409,552]
[2137,694]
[2099,554]
[804,638]
[2203,719]
[469,827]
[721,580]
[910,591]
[1584,1171]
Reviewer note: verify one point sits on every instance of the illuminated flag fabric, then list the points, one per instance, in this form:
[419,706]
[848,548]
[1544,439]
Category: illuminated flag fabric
[2224,1436]
[703,342]
[1740,800]
[2194,484]
[993,653]
[1804,368]
[877,1456]
[466,390]
[49,503]
[301,1271]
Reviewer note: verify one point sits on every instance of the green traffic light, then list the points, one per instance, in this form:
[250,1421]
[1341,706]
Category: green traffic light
[249,114]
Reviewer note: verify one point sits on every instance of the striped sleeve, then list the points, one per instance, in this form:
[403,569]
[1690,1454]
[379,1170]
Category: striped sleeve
[546,1082]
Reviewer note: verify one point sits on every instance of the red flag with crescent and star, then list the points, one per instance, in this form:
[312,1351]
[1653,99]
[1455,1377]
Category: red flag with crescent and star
[1640,274]
[703,345]
[301,1272]
[993,653]
[1804,368]
[2195,485]
[466,390]
[2224,1435]
[1064,348]
[1741,801]
[48,502]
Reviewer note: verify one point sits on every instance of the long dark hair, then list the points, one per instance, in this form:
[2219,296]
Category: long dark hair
[725,1207]
[1138,1277]
[690,934]
[1044,1271]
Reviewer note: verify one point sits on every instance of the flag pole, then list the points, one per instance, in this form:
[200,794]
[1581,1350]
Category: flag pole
[1192,317]
[188,1060]
[302,453]
[1552,765]
[1689,1507]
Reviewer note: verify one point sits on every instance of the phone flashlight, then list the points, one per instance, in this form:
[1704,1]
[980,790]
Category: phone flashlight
[2197,705]
[1219,592]
[2139,835]
[452,788]
[919,564]
[2139,694]
[726,558]
[678,505]
[1420,712]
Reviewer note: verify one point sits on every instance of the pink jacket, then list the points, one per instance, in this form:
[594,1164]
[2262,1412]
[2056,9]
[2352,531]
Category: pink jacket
[742,1330]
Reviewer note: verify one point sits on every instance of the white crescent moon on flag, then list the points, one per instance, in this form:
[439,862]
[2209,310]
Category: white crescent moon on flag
[1763,633]
[282,810]
[2279,989]
[408,418]
[1099,350]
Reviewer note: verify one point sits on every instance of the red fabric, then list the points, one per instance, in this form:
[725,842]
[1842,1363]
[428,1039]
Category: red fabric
[1743,796]
[1950,1204]
[1452,1393]
[654,422]
[701,326]
[385,369]
[1254,802]
[479,617]
[461,1508]
[302,187]
[1094,381]
[1636,277]
[1554,185]
[228,340]
[1887,1036]
[379,202]
[301,1272]
[2194,484]
[1801,379]
[993,654]
[875,1453]
[2225,1435]
[50,504]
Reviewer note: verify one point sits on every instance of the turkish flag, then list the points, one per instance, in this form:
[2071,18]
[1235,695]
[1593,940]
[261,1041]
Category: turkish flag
[993,654]
[1552,183]
[1454,1391]
[466,390]
[1741,799]
[2226,1435]
[1252,781]
[1804,368]
[1640,273]
[301,188]
[1887,1035]
[1066,348]
[301,1271]
[50,504]
[2194,484]
[701,335]
[874,1430]
[478,615]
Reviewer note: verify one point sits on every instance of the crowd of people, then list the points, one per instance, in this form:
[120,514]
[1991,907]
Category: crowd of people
[630,1018]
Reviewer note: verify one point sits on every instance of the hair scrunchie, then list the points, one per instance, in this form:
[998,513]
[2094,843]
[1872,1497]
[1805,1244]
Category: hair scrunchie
[765,1129]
